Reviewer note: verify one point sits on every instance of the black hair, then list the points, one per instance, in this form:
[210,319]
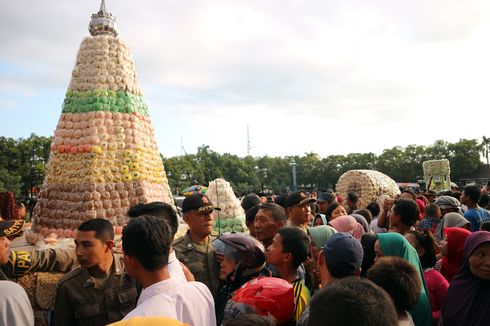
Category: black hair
[352,196]
[330,209]
[374,208]
[399,279]
[296,242]
[250,214]
[157,209]
[431,210]
[281,199]
[250,201]
[352,301]
[408,210]
[148,239]
[484,200]
[473,192]
[456,194]
[104,231]
[426,241]
[366,213]
[367,241]
[252,319]
[485,226]
[278,212]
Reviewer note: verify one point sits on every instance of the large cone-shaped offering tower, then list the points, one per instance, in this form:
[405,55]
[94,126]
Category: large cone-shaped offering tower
[104,157]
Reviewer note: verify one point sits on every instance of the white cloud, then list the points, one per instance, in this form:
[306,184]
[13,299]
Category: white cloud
[363,75]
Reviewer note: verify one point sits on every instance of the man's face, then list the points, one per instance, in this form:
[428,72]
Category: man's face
[300,214]
[90,251]
[200,223]
[463,198]
[275,256]
[4,250]
[265,226]
[322,206]
[394,218]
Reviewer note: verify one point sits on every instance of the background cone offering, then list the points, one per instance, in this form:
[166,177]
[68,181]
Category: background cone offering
[104,157]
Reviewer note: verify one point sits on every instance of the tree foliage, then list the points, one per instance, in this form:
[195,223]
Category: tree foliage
[22,163]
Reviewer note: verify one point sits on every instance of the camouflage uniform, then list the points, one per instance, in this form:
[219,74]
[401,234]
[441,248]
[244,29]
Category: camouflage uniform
[200,260]
[80,301]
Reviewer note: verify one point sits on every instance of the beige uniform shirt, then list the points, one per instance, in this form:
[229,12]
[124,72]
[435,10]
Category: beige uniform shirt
[81,301]
[200,260]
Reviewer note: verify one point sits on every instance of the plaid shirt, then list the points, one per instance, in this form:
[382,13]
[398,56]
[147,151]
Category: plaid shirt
[429,223]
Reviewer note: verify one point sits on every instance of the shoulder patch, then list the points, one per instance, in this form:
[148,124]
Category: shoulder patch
[71,274]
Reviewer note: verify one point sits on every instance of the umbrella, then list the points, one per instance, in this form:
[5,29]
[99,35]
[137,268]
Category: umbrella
[193,190]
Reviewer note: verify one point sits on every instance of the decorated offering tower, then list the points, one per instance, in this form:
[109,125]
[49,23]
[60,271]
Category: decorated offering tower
[104,157]
[231,217]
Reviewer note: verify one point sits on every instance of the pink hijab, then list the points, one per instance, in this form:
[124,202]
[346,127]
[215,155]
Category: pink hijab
[348,224]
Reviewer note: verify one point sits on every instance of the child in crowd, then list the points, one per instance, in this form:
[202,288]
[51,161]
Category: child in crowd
[432,218]
[288,250]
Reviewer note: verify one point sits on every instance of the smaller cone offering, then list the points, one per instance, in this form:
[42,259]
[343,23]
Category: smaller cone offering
[231,217]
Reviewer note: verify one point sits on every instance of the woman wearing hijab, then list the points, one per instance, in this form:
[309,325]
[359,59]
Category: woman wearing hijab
[362,220]
[449,220]
[452,251]
[347,223]
[394,244]
[468,297]
[319,235]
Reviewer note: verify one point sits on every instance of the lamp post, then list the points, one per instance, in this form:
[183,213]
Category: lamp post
[293,170]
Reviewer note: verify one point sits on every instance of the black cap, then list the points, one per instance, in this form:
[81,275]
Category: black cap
[198,203]
[11,227]
[326,196]
[298,198]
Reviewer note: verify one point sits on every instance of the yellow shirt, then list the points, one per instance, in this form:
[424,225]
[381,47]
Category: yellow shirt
[301,297]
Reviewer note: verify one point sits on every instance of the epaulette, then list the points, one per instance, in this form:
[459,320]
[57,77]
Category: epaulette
[71,274]
[177,241]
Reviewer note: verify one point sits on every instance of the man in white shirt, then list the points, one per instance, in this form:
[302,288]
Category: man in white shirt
[168,214]
[146,244]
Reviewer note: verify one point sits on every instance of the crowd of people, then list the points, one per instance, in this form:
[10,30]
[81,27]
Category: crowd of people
[307,259]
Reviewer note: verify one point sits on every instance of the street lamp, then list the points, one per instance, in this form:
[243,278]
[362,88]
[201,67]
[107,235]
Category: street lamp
[293,170]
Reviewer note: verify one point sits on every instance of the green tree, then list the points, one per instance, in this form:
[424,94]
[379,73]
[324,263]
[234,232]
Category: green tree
[464,158]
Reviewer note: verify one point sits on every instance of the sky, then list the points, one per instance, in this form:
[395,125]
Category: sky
[326,76]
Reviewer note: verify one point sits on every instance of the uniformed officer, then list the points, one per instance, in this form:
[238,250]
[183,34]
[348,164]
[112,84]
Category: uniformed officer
[16,263]
[195,249]
[99,291]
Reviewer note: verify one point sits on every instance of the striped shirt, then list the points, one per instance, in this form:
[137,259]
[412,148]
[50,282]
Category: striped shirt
[301,297]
